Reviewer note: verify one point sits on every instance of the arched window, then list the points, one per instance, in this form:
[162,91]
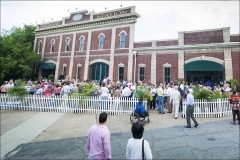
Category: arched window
[67,44]
[101,41]
[122,40]
[81,43]
[39,46]
[52,45]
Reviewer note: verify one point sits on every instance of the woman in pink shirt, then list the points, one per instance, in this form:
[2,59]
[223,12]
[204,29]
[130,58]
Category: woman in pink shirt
[4,88]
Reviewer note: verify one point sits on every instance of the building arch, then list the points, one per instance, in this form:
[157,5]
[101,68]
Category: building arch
[99,60]
[207,58]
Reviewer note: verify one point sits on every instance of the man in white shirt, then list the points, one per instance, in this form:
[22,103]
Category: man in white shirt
[104,96]
[169,93]
[10,84]
[182,85]
[126,92]
[175,99]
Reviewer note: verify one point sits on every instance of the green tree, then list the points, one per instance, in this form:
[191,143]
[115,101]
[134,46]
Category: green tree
[17,59]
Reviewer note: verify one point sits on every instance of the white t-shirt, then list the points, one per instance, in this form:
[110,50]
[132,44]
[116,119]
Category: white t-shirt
[169,91]
[104,91]
[134,149]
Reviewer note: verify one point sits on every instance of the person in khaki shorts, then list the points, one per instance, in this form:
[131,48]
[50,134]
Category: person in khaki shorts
[169,93]
[175,99]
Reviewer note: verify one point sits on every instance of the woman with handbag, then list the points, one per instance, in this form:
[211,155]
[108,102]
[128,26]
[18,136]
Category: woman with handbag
[137,147]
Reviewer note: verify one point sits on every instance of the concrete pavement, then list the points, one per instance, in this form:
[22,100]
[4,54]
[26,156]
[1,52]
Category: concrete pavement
[215,138]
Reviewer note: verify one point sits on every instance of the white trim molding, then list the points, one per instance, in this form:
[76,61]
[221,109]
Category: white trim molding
[99,60]
[79,65]
[51,61]
[64,65]
[207,58]
[167,65]
[122,32]
[82,36]
[142,65]
[100,35]
[53,40]
[120,65]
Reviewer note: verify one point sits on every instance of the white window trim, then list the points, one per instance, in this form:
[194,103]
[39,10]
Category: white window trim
[66,44]
[64,65]
[82,36]
[120,38]
[78,65]
[169,66]
[120,65]
[139,66]
[39,46]
[51,45]
[101,34]
[121,33]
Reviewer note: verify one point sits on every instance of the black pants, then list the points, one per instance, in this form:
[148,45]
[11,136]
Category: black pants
[143,115]
[235,112]
[153,103]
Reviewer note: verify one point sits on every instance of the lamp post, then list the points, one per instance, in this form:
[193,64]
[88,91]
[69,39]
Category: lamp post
[135,54]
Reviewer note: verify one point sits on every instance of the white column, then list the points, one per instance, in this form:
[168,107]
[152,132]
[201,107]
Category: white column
[154,64]
[135,61]
[58,60]
[180,38]
[111,66]
[72,56]
[180,64]
[226,35]
[153,67]
[85,76]
[130,57]
[228,64]
[35,42]
[43,49]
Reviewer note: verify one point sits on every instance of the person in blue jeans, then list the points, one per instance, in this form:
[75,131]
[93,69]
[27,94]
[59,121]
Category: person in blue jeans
[160,100]
[140,110]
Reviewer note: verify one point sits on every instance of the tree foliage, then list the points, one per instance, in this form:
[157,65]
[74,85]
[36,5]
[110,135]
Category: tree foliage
[17,59]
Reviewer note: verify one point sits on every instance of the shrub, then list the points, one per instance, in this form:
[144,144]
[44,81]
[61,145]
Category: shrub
[18,89]
[142,91]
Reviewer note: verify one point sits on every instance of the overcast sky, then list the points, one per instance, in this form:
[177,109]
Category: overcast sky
[159,19]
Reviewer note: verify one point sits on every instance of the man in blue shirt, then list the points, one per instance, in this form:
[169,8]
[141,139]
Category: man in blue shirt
[190,110]
[140,110]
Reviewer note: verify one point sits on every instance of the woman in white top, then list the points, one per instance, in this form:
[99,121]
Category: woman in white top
[134,145]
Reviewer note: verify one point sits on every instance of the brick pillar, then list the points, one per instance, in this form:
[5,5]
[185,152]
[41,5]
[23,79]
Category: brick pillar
[85,76]
[228,64]
[72,56]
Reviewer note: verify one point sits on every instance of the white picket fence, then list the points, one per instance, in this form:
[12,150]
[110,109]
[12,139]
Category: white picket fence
[215,108]
[96,105]
[91,105]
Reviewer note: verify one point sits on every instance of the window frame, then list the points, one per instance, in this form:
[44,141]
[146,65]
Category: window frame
[39,46]
[120,66]
[78,71]
[67,48]
[139,71]
[52,45]
[100,42]
[120,36]
[64,70]
[165,66]
[81,45]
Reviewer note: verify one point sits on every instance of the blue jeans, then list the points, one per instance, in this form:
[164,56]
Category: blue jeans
[160,104]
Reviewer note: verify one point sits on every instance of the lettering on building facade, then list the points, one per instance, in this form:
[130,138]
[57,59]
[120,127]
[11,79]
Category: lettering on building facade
[111,14]
[49,25]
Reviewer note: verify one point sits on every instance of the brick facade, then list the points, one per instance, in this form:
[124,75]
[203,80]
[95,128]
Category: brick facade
[166,51]
[203,37]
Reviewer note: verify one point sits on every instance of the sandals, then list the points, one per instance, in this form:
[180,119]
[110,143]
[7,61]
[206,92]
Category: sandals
[234,123]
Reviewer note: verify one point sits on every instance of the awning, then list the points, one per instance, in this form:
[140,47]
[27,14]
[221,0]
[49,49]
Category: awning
[203,65]
[46,66]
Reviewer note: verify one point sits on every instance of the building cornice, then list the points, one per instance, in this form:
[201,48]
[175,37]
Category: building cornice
[189,47]
[87,25]
[205,30]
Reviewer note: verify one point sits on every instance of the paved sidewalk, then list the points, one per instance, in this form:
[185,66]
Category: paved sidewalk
[65,138]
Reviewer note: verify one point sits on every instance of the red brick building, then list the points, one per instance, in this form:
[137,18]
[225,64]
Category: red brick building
[89,45]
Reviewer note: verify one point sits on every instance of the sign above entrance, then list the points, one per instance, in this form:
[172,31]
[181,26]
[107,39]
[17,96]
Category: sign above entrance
[111,14]
[77,17]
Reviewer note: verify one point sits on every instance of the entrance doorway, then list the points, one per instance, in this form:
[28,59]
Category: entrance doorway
[98,71]
[202,77]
